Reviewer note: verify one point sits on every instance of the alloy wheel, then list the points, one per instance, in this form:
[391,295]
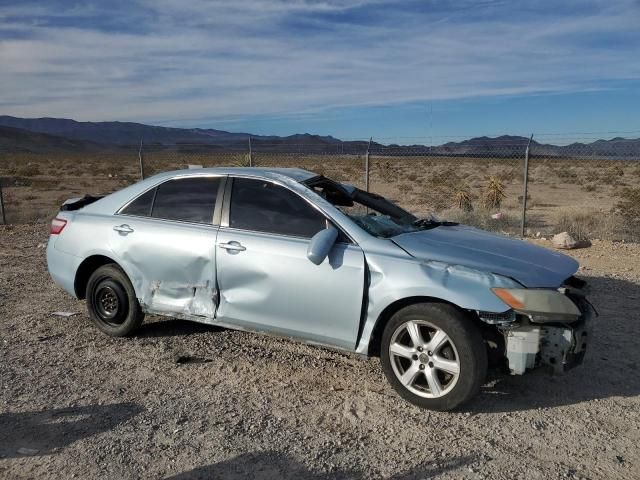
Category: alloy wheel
[424,359]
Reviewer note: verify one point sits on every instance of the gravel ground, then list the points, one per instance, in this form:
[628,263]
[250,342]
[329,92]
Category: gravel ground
[182,400]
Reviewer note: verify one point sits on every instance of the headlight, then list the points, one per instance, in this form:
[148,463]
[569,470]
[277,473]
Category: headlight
[539,304]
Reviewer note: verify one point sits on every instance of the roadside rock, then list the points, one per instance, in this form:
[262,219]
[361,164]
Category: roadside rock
[564,241]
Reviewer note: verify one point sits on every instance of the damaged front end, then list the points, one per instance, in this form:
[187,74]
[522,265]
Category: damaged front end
[545,327]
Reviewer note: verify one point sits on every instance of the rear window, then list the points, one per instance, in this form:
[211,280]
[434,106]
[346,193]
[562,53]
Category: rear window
[184,199]
[187,199]
[141,206]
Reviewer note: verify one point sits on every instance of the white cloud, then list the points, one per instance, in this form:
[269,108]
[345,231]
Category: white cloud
[185,60]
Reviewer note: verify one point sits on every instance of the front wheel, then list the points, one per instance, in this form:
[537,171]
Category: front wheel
[112,303]
[433,355]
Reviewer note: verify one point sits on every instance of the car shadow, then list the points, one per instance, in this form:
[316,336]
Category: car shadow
[174,328]
[45,432]
[610,369]
[272,464]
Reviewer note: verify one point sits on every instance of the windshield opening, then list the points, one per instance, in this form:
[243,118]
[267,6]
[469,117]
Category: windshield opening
[372,212]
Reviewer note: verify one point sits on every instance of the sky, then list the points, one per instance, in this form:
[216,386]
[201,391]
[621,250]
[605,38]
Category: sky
[397,71]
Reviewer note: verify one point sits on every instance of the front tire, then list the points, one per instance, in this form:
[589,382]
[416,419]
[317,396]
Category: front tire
[433,355]
[112,303]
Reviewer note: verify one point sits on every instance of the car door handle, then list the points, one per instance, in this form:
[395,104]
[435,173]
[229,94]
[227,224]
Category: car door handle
[232,246]
[124,228]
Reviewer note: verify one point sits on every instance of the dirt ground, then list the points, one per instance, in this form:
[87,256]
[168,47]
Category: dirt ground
[182,401]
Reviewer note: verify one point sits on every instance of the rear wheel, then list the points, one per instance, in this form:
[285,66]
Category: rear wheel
[112,303]
[433,356]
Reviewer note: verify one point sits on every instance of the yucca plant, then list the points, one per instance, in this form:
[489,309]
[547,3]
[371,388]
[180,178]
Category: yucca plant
[245,162]
[463,200]
[494,194]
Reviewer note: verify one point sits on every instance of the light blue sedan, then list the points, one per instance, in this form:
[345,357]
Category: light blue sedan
[292,253]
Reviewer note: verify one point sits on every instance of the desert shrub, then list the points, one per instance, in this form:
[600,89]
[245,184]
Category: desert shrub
[609,178]
[590,187]
[580,225]
[463,200]
[629,204]
[565,172]
[506,176]
[591,175]
[494,194]
[28,170]
[244,161]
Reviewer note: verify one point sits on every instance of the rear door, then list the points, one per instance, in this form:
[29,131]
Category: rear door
[266,281]
[166,239]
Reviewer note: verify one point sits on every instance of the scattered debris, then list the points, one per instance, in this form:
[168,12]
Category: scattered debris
[64,314]
[188,359]
[27,451]
[44,338]
[497,216]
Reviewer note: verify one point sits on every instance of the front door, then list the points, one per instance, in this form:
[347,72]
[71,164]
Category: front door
[166,239]
[266,281]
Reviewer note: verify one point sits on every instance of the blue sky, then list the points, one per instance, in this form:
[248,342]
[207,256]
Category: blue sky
[394,70]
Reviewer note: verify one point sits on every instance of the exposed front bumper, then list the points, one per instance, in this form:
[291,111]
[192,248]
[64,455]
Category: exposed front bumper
[558,346]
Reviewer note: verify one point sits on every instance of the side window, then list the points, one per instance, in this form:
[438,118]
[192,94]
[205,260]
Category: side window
[187,199]
[266,207]
[141,206]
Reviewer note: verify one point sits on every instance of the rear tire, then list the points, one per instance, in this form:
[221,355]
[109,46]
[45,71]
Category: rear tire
[112,303]
[433,355]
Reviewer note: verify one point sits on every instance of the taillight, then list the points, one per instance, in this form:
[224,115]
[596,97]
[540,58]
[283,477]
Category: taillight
[57,225]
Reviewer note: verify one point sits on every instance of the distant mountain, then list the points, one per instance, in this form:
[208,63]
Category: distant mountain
[15,140]
[129,133]
[46,134]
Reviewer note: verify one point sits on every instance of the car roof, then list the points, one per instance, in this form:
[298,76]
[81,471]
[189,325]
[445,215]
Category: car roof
[297,174]
[114,201]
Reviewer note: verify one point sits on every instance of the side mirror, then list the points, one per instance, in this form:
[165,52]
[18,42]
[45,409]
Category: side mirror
[320,245]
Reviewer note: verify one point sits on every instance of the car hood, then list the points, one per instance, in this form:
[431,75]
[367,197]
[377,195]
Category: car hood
[530,265]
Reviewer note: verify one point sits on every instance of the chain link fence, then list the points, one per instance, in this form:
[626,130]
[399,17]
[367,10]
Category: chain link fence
[591,190]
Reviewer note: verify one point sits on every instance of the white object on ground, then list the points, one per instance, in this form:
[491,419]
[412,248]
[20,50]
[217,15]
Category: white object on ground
[564,240]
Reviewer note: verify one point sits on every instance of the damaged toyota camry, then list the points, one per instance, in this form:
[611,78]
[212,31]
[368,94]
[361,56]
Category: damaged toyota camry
[295,254]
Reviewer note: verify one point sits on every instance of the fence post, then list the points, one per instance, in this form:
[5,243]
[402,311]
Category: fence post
[366,167]
[4,218]
[250,153]
[141,160]
[524,186]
